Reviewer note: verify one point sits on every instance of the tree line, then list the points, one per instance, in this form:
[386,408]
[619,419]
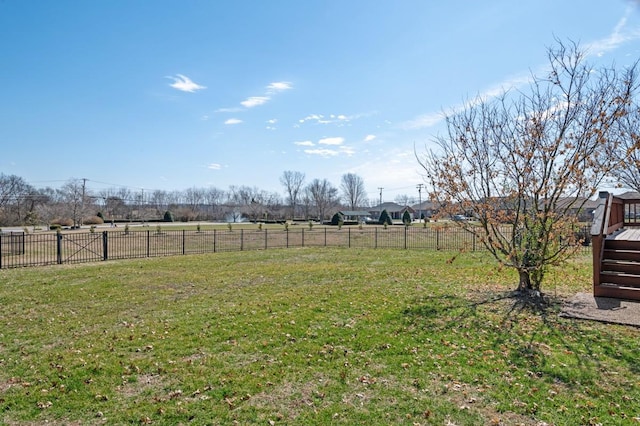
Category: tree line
[74,203]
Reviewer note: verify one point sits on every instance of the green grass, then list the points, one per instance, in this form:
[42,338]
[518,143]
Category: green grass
[306,336]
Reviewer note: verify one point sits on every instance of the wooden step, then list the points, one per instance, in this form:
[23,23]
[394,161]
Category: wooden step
[622,245]
[621,254]
[625,266]
[620,279]
[615,291]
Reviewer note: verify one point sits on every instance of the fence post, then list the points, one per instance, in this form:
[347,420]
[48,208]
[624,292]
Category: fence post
[325,237]
[287,231]
[406,228]
[375,245]
[149,243]
[183,241]
[241,239]
[214,240]
[59,247]
[105,246]
[349,244]
[265,239]
[0,250]
[303,237]
[437,239]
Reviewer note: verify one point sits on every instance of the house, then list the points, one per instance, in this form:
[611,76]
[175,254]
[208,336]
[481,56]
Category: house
[582,208]
[395,210]
[357,216]
[426,209]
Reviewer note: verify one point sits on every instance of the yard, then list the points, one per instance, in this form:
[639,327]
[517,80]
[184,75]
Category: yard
[307,336]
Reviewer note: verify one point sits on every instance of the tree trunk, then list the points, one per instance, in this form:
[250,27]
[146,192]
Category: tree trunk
[525,281]
[529,284]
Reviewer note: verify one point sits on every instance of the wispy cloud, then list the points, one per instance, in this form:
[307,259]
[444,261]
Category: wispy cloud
[255,101]
[214,166]
[304,143]
[331,141]
[423,121]
[232,109]
[323,152]
[326,152]
[315,117]
[271,124]
[271,89]
[433,118]
[327,119]
[369,138]
[184,84]
[232,121]
[620,35]
[347,150]
[278,86]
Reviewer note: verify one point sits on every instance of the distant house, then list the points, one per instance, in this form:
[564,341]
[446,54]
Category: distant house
[582,207]
[355,215]
[395,210]
[426,209]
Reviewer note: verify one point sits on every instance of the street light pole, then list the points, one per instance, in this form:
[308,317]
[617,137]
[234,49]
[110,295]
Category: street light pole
[419,186]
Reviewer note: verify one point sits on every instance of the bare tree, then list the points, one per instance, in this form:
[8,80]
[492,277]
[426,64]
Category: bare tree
[213,198]
[50,208]
[272,202]
[159,201]
[10,187]
[628,174]
[292,182]
[521,163]
[306,201]
[353,191]
[16,199]
[324,196]
[72,194]
[174,199]
[403,199]
[250,201]
[194,198]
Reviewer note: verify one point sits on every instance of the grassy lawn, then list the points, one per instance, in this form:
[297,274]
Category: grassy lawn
[306,336]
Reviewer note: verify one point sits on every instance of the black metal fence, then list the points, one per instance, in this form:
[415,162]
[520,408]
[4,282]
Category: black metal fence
[23,249]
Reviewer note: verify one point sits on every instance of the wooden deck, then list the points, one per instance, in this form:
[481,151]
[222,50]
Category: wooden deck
[626,234]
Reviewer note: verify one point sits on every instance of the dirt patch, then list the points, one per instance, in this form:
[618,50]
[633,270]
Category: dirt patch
[144,382]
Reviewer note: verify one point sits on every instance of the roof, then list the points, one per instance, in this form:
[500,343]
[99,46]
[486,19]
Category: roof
[426,205]
[390,207]
[629,195]
[354,213]
[575,203]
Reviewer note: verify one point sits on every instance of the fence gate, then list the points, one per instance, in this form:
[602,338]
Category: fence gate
[81,247]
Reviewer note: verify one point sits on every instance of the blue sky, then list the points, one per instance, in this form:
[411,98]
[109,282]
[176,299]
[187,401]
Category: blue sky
[160,94]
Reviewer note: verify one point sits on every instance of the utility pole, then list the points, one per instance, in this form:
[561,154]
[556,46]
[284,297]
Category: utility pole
[84,185]
[419,186]
[380,195]
[140,205]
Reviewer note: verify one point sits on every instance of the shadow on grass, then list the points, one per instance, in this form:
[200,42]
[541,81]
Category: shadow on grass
[529,333]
